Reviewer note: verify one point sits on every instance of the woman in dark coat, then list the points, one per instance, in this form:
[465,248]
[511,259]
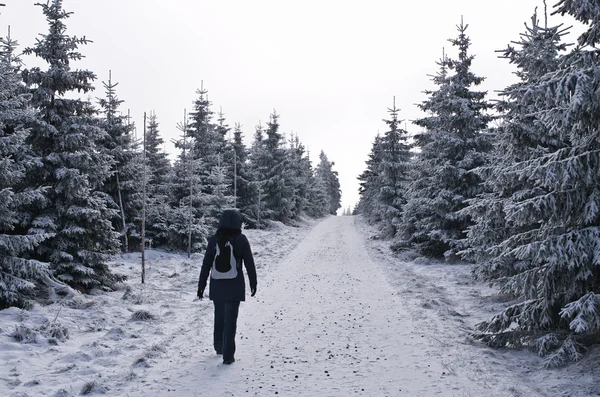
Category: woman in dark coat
[227,293]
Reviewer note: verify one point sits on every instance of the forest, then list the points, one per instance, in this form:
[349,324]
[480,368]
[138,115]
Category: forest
[511,185]
[78,186]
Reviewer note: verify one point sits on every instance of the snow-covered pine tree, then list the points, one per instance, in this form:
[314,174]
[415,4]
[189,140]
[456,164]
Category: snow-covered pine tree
[221,197]
[219,193]
[519,137]
[393,173]
[245,192]
[319,203]
[124,185]
[300,173]
[158,185]
[277,193]
[369,184]
[187,196]
[19,274]
[558,276]
[325,173]
[208,143]
[452,144]
[66,137]
[209,147]
[257,211]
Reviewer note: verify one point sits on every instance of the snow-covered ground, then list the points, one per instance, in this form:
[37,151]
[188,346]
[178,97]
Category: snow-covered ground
[335,315]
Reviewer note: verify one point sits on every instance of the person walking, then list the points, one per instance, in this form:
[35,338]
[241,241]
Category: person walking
[227,249]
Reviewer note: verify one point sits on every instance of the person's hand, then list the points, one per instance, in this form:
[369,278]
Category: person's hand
[200,293]
[252,291]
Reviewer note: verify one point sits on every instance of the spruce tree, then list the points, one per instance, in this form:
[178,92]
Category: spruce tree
[124,184]
[256,211]
[329,178]
[299,171]
[245,192]
[519,137]
[269,163]
[218,163]
[369,184]
[188,194]
[556,277]
[158,186]
[318,198]
[66,137]
[277,187]
[452,144]
[19,273]
[393,176]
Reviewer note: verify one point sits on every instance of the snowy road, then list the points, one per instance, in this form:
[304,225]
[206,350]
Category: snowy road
[335,315]
[326,322]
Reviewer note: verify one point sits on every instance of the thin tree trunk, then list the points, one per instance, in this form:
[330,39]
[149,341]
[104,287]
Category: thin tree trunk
[144,207]
[259,194]
[234,178]
[124,230]
[191,176]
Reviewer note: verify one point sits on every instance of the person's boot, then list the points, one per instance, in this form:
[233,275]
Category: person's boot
[229,361]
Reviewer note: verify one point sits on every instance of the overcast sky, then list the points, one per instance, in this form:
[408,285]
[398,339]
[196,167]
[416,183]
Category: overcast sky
[329,67]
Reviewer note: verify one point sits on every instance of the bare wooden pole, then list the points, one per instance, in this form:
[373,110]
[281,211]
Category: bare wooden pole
[191,176]
[119,192]
[123,223]
[144,206]
[234,178]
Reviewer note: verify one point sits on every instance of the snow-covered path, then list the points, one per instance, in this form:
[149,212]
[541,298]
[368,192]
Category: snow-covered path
[325,322]
[335,315]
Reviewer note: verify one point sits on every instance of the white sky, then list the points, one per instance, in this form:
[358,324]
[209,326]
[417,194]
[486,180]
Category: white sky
[330,68]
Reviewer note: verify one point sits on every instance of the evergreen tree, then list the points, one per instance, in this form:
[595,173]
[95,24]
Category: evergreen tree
[370,184]
[188,195]
[245,191]
[269,166]
[66,138]
[452,145]
[557,273]
[393,174]
[124,185]
[158,211]
[256,211]
[318,197]
[218,194]
[520,136]
[278,192]
[207,142]
[329,178]
[221,197]
[19,273]
[299,171]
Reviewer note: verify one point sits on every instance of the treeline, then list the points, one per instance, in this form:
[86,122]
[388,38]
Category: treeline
[520,196]
[75,183]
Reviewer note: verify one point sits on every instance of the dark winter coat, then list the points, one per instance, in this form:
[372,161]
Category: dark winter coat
[229,289]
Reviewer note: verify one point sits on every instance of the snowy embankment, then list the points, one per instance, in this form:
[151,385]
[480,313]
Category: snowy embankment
[335,315]
[445,301]
[107,342]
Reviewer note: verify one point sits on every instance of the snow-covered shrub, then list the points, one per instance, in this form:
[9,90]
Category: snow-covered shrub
[93,387]
[54,331]
[155,351]
[63,393]
[141,362]
[24,334]
[142,315]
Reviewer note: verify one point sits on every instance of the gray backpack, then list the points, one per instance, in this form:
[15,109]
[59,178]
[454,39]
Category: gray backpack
[224,265]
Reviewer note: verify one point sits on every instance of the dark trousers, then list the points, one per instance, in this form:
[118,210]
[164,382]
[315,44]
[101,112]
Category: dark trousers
[226,314]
